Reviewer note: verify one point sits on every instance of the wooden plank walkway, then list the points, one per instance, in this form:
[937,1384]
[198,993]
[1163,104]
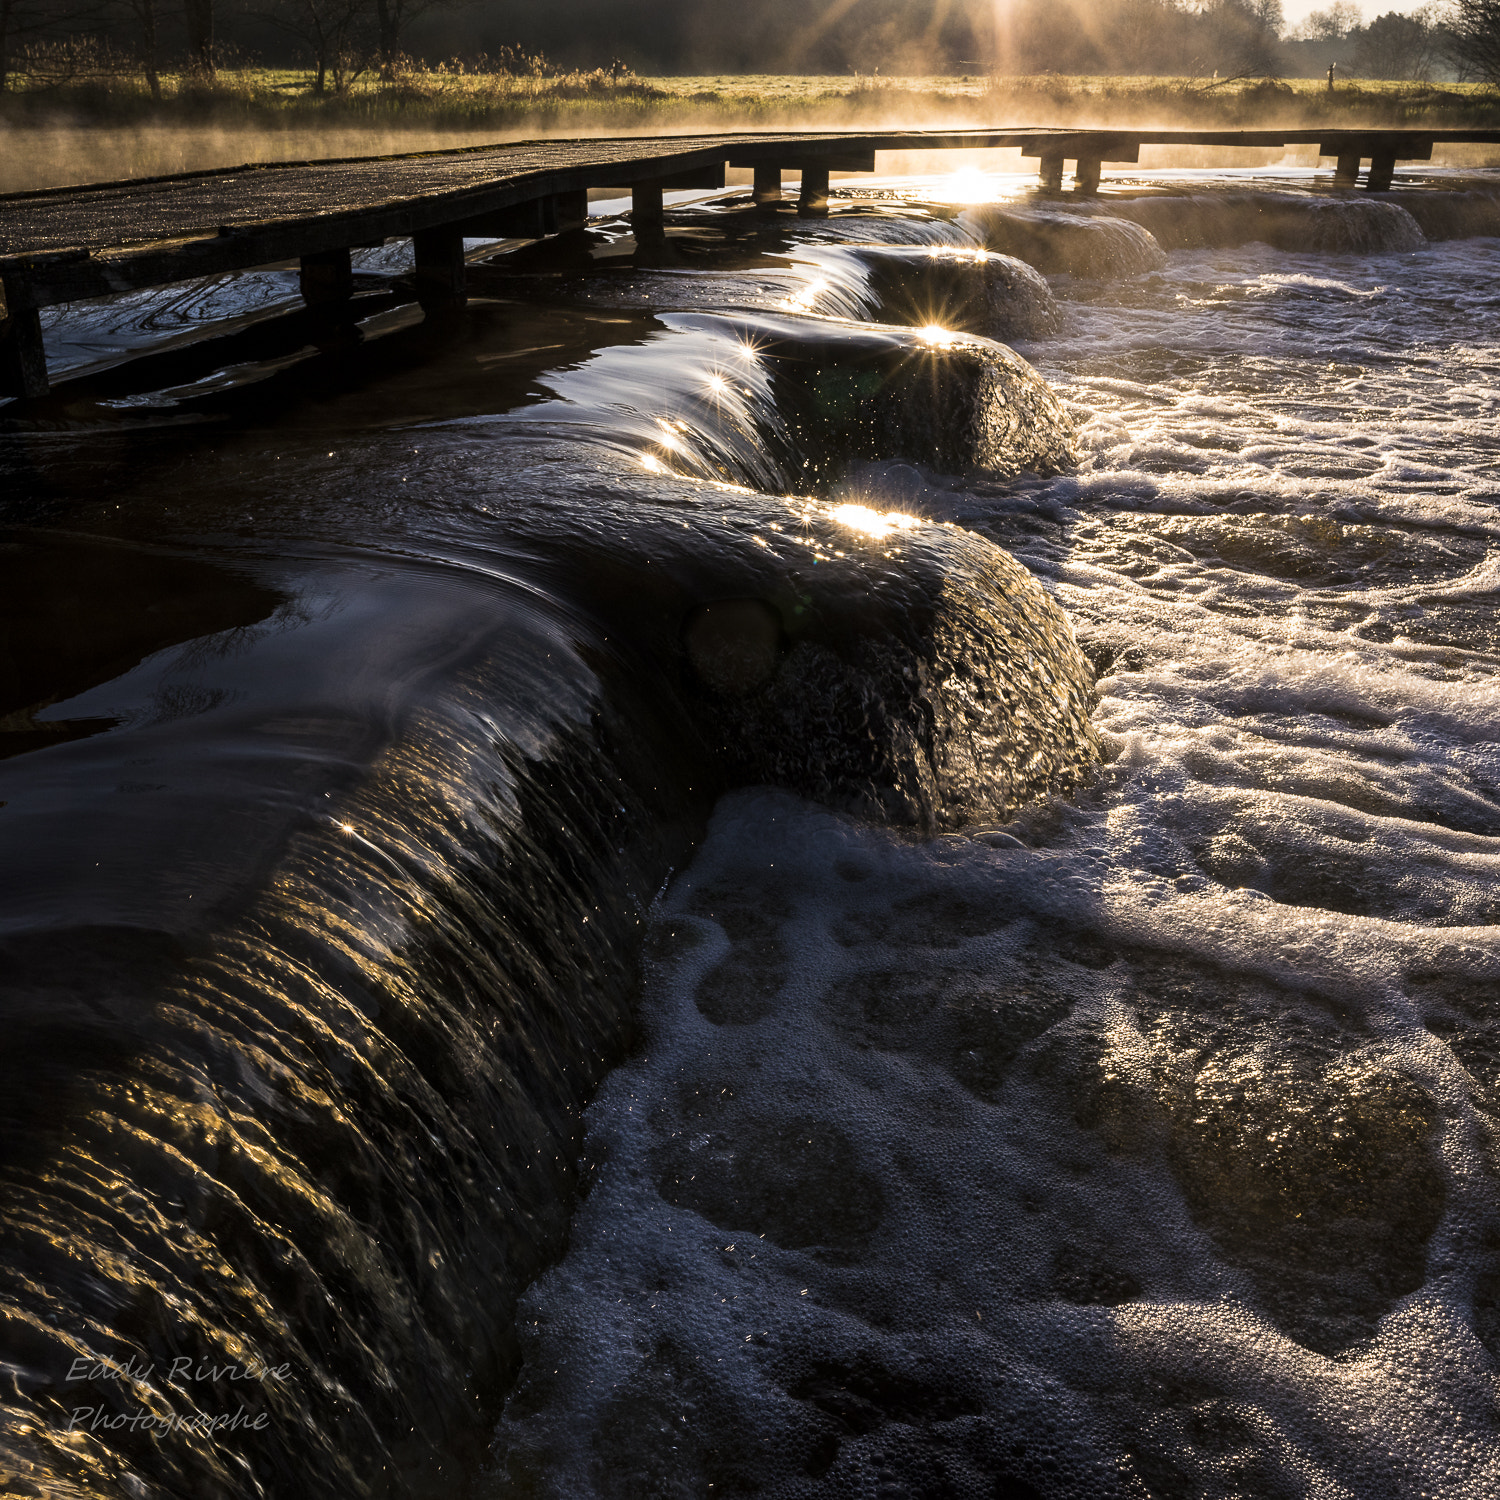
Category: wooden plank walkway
[61,245]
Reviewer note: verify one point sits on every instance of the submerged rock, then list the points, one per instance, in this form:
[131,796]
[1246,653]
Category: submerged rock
[1345,225]
[1452,215]
[297,1045]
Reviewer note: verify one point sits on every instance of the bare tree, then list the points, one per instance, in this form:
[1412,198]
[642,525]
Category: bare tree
[198,16]
[335,33]
[143,18]
[20,22]
[1244,36]
[1473,44]
[1331,25]
[392,17]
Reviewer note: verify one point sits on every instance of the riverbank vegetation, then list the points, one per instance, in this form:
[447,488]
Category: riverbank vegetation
[93,90]
[510,56]
[479,95]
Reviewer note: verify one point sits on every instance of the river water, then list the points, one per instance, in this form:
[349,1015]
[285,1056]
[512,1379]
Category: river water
[929,911]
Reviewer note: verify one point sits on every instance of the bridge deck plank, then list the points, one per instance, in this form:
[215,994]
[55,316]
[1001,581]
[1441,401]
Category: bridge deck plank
[151,210]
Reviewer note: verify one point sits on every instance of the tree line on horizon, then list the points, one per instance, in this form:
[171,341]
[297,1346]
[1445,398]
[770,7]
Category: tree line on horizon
[52,42]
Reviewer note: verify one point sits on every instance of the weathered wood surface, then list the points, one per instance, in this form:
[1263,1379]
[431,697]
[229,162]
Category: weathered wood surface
[381,197]
[397,194]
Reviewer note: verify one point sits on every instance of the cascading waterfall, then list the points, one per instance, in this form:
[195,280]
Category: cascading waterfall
[938,286]
[1053,240]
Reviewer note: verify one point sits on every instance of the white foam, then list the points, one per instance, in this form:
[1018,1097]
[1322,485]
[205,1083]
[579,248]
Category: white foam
[988,1204]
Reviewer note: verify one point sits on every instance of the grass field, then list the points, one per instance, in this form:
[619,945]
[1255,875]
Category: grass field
[103,127]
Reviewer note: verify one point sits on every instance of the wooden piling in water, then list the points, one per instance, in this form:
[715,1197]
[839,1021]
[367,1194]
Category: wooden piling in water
[439,269]
[812,196]
[23,358]
[1382,148]
[766,193]
[326,279]
[647,210]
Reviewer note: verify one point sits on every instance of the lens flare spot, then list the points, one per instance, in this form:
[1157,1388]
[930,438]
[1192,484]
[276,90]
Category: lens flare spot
[936,335]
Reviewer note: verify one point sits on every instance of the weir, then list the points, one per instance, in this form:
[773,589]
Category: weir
[67,244]
[341,1060]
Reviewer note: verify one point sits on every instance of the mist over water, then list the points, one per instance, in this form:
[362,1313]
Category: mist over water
[64,153]
[1008,833]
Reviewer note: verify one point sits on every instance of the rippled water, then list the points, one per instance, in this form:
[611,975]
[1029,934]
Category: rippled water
[988,1124]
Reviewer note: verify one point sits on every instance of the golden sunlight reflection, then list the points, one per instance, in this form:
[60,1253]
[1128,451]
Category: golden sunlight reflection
[936,335]
[954,253]
[807,298]
[966,185]
[869,522]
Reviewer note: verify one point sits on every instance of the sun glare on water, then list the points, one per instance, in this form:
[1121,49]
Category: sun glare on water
[966,185]
[869,522]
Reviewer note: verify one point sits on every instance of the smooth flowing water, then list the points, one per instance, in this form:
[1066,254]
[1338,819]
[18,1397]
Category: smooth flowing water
[1055,795]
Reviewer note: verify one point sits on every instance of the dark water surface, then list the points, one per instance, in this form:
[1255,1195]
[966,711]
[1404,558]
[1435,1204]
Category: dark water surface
[1064,1057]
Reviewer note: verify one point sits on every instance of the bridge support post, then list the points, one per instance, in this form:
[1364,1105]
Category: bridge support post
[572,210]
[812,200]
[440,268]
[326,279]
[23,361]
[1382,169]
[648,214]
[1088,150]
[767,189]
[1382,148]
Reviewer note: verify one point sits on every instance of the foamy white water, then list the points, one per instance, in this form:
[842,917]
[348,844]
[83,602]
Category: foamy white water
[1144,1146]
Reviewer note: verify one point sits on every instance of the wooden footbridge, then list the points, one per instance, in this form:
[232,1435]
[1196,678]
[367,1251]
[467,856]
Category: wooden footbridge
[65,244]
